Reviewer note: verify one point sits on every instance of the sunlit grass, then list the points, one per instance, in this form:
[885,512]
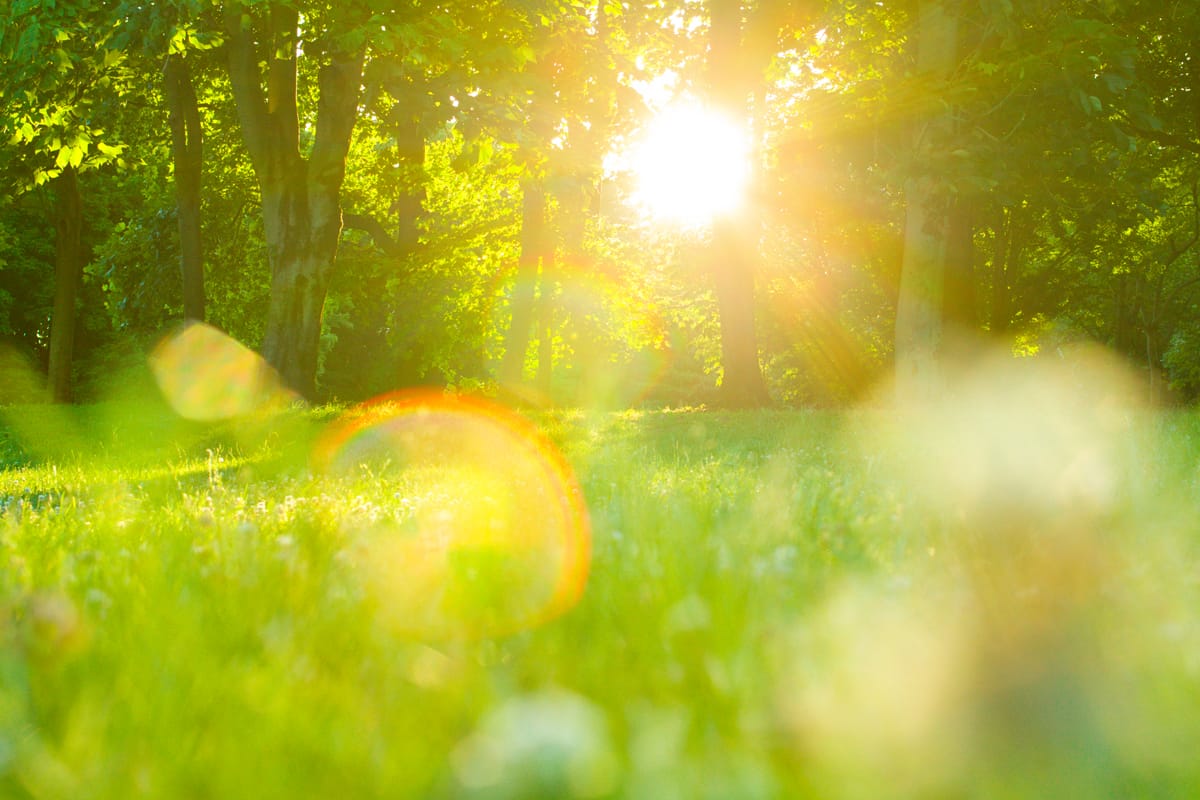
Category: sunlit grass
[773,610]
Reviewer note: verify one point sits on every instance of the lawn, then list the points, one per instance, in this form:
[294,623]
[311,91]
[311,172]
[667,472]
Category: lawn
[993,600]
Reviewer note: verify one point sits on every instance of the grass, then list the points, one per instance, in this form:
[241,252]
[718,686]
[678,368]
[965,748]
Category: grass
[780,604]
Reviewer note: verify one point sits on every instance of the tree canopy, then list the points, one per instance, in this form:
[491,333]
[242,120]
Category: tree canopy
[377,195]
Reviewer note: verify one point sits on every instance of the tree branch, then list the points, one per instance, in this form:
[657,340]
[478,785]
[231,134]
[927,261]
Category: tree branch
[1178,252]
[281,77]
[339,83]
[374,228]
[1164,138]
[246,81]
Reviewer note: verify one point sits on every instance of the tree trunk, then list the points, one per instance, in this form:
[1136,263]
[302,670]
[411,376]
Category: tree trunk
[1153,365]
[734,252]
[1122,312]
[410,202]
[299,284]
[187,144]
[533,236]
[919,309]
[68,274]
[545,362]
[960,299]
[301,197]
[926,230]
[960,302]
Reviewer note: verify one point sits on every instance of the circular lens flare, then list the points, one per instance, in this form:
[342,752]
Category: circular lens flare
[207,375]
[490,534]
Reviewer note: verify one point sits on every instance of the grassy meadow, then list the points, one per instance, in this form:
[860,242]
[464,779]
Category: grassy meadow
[999,599]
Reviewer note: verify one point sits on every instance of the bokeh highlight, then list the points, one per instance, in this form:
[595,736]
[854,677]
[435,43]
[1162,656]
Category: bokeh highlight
[492,534]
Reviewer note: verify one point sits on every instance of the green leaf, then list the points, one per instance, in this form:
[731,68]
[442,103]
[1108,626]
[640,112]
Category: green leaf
[207,41]
[486,151]
[1088,103]
[1116,83]
[179,40]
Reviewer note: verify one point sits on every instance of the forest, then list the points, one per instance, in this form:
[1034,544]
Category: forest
[506,399]
[378,195]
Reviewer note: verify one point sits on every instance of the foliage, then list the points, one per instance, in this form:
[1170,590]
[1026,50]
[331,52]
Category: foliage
[801,603]
[1181,361]
[26,274]
[60,71]
[1071,167]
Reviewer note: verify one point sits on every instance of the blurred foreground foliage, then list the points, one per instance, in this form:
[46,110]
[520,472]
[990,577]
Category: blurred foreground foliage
[995,600]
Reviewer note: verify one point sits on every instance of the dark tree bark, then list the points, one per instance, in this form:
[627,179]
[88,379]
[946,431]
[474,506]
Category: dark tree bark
[378,233]
[68,274]
[409,89]
[734,253]
[410,202]
[398,235]
[734,250]
[960,303]
[301,197]
[187,143]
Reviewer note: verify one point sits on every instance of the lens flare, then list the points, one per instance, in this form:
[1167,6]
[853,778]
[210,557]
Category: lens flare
[693,165]
[491,534]
[207,376]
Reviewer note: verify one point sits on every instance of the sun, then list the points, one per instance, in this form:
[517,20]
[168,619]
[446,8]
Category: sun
[691,166]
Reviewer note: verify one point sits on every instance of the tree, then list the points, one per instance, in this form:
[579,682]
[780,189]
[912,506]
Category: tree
[169,34]
[926,228]
[300,194]
[187,146]
[59,72]
[537,253]
[735,237]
